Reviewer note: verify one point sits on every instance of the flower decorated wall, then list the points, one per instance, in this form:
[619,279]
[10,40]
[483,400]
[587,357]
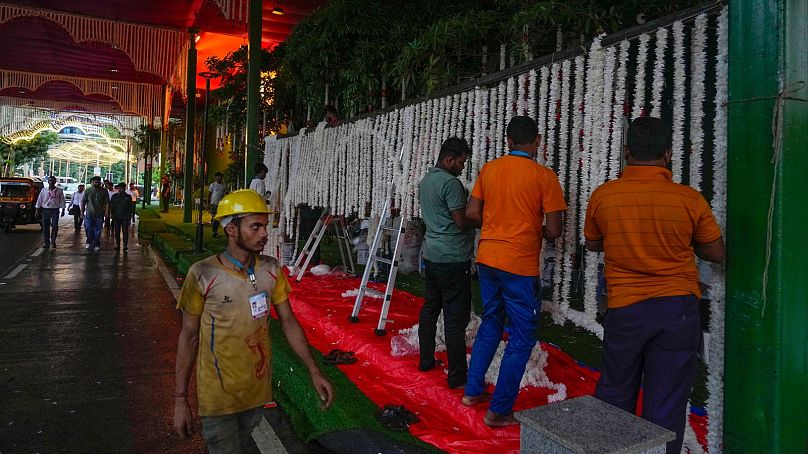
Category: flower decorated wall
[583,102]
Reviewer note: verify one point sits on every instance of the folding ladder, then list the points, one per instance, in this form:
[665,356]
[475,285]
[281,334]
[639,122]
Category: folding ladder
[343,242]
[375,256]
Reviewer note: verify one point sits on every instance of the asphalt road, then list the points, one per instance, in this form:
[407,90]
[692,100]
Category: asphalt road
[16,247]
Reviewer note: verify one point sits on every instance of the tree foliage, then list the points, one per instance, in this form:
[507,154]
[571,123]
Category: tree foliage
[355,50]
[25,151]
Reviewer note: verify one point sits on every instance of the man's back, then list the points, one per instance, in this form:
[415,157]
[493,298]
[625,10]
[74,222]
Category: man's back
[440,193]
[648,225]
[516,193]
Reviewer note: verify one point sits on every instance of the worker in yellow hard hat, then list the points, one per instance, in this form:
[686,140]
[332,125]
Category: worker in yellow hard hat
[230,295]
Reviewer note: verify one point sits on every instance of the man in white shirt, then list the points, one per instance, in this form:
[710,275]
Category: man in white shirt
[257,183]
[215,194]
[135,194]
[50,200]
[75,207]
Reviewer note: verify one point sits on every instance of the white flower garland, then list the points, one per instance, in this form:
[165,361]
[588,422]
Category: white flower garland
[679,76]
[659,72]
[477,142]
[639,78]
[561,270]
[511,99]
[618,112]
[544,88]
[531,94]
[499,145]
[522,94]
[698,70]
[715,368]
[606,119]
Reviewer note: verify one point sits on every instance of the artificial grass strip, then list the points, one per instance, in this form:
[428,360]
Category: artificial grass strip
[351,409]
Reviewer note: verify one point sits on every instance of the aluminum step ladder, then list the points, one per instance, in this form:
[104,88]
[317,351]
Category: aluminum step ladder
[375,257]
[343,243]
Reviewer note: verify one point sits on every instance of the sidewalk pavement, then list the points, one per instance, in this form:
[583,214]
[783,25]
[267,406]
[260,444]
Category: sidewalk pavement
[87,354]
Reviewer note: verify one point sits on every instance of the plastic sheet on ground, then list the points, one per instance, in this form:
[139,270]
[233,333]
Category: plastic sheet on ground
[386,379]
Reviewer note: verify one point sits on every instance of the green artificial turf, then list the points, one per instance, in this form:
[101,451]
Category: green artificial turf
[292,390]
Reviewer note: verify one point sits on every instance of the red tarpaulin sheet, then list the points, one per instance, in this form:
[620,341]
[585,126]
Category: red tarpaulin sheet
[445,422]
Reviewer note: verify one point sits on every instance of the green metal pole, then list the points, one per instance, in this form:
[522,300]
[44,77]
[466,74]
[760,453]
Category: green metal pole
[766,379]
[190,134]
[164,132]
[253,87]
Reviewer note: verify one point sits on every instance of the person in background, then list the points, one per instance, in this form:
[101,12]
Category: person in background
[110,192]
[94,207]
[234,292]
[649,228]
[120,208]
[75,207]
[512,196]
[215,194]
[165,193]
[135,195]
[51,199]
[330,115]
[257,184]
[448,249]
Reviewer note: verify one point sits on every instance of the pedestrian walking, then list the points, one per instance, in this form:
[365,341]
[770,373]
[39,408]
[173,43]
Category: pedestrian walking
[649,229]
[448,249]
[165,193]
[225,303]
[512,196]
[120,208]
[51,199]
[135,194]
[94,207]
[258,183]
[215,194]
[75,207]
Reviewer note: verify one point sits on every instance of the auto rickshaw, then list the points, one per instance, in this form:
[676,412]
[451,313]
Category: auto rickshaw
[18,201]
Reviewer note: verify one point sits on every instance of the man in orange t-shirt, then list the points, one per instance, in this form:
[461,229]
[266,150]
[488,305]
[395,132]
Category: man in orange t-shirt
[512,196]
[649,227]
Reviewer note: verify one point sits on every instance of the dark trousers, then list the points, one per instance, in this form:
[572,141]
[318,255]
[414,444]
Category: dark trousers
[121,227]
[78,219]
[447,288]
[134,205]
[50,224]
[655,342]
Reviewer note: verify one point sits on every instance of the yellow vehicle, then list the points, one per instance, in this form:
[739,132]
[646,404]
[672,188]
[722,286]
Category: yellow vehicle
[18,201]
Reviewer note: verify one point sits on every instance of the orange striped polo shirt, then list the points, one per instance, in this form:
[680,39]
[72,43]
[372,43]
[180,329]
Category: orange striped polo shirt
[648,225]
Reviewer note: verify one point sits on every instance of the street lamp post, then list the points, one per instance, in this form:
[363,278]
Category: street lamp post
[207,75]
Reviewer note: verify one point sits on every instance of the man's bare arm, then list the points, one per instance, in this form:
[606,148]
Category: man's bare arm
[712,251]
[461,221]
[474,211]
[187,346]
[594,245]
[552,227]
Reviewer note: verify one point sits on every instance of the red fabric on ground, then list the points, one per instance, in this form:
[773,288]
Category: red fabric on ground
[385,379]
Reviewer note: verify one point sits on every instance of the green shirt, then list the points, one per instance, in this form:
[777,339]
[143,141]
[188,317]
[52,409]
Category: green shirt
[96,201]
[439,194]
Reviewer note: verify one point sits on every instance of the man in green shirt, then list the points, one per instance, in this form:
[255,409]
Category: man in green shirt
[447,256]
[94,207]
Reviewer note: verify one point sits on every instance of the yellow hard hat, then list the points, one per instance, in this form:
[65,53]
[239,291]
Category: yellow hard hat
[243,201]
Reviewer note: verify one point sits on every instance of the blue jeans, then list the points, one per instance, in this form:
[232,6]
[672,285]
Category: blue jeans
[654,342]
[516,296]
[50,224]
[92,226]
[230,434]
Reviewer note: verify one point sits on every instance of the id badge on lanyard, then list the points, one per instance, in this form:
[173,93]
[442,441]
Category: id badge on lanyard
[258,305]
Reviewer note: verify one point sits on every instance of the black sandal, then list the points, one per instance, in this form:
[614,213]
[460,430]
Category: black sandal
[392,420]
[339,357]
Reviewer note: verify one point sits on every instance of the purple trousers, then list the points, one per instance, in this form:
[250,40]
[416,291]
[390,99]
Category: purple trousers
[654,342]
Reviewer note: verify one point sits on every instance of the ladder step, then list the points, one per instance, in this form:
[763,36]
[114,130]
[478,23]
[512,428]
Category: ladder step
[374,293]
[383,260]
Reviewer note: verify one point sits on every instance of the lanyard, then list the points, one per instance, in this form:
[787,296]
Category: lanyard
[519,153]
[249,270]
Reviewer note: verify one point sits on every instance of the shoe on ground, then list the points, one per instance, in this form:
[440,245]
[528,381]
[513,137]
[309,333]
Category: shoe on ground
[88,246]
[53,245]
[125,248]
[97,248]
[46,246]
[492,419]
[456,385]
[470,401]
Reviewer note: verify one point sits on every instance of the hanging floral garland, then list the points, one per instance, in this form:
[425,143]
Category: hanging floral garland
[511,102]
[499,145]
[679,79]
[715,368]
[659,72]
[531,94]
[618,108]
[562,243]
[698,70]
[639,78]
[544,88]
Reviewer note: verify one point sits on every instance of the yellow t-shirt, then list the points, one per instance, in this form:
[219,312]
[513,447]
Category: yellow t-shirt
[232,367]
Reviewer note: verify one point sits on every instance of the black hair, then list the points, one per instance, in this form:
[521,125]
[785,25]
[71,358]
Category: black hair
[648,138]
[522,130]
[330,109]
[260,167]
[218,174]
[454,147]
[95,178]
